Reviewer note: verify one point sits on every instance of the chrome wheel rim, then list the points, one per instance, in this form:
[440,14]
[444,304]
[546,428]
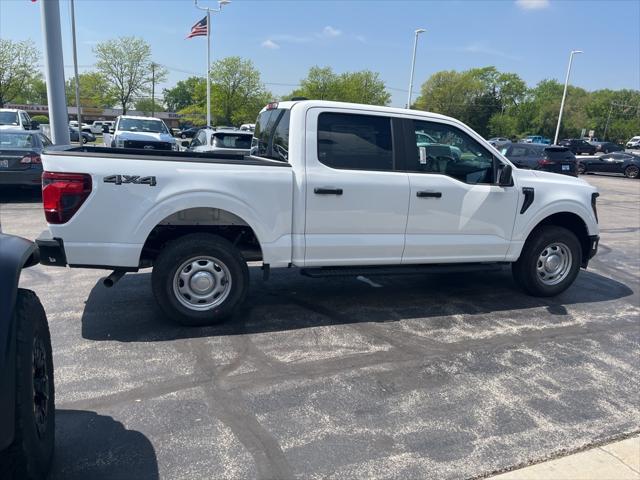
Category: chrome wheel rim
[202,283]
[554,263]
[632,171]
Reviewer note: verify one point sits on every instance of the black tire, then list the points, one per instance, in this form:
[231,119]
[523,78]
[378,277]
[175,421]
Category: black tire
[183,136]
[30,454]
[525,271]
[182,250]
[632,171]
[581,168]
[84,140]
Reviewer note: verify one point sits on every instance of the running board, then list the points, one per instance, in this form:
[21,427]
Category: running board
[319,272]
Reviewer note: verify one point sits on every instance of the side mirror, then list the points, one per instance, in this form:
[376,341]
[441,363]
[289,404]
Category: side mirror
[506,176]
[34,125]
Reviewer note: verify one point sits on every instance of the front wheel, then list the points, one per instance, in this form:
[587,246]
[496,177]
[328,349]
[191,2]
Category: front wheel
[632,171]
[549,262]
[30,454]
[200,279]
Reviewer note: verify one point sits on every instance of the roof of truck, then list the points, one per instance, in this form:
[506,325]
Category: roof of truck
[359,106]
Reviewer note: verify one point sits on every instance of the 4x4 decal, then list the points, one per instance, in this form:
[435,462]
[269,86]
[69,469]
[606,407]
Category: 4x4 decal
[135,179]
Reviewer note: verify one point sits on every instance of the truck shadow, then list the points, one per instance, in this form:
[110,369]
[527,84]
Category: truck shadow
[95,446]
[288,301]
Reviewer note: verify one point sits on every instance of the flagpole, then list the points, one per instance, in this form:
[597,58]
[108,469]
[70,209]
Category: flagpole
[221,3]
[208,68]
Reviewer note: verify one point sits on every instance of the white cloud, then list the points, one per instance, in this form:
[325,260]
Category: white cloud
[532,4]
[270,44]
[330,32]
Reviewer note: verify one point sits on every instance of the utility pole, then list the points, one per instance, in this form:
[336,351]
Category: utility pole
[75,69]
[606,127]
[153,88]
[54,72]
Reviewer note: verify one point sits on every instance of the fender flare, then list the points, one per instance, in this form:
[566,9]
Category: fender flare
[15,254]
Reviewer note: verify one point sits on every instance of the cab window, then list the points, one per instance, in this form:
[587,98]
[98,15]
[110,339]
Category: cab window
[447,150]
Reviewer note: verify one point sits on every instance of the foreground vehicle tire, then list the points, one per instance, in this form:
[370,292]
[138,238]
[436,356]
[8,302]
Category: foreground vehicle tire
[549,262]
[199,279]
[30,454]
[631,171]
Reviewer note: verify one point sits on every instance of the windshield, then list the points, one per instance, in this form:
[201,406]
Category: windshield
[16,140]
[8,118]
[140,125]
[231,140]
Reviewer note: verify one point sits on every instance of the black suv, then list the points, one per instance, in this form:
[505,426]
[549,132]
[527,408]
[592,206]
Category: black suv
[550,158]
[578,146]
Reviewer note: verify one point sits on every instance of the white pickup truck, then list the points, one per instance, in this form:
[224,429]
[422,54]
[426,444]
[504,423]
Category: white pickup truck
[333,188]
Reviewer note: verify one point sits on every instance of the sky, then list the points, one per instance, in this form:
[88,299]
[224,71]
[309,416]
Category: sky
[532,38]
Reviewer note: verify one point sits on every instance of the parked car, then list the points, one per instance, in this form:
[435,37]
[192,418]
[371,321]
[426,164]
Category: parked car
[20,161]
[499,142]
[578,146]
[189,132]
[536,139]
[97,127]
[550,158]
[146,133]
[248,127]
[634,142]
[27,416]
[12,118]
[607,147]
[86,136]
[233,142]
[332,188]
[618,162]
[85,126]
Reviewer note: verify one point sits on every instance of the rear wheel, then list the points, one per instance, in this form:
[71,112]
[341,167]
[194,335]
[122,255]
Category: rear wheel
[200,279]
[581,168]
[549,262]
[632,171]
[30,454]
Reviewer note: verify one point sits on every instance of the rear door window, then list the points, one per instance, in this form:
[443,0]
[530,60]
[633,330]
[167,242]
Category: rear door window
[559,154]
[231,140]
[355,142]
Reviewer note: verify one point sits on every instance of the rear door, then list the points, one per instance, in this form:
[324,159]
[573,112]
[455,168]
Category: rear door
[457,212]
[356,201]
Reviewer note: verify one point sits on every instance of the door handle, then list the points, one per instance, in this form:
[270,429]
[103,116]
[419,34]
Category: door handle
[327,191]
[424,194]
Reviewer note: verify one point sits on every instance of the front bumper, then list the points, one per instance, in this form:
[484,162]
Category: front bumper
[51,250]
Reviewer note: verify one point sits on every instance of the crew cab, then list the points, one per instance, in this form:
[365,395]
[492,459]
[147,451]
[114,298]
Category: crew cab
[332,188]
[146,133]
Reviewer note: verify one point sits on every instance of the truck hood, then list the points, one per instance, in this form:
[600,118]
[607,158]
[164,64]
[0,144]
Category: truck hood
[555,178]
[145,136]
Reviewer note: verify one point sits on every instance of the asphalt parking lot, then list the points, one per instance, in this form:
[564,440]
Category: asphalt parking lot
[450,376]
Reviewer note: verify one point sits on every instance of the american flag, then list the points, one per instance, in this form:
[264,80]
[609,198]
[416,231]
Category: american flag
[199,29]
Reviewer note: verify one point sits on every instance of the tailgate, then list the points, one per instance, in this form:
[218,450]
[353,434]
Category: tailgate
[10,160]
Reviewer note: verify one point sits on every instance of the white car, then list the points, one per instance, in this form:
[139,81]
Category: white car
[248,127]
[634,142]
[97,127]
[146,133]
[331,188]
[12,118]
[233,142]
[85,126]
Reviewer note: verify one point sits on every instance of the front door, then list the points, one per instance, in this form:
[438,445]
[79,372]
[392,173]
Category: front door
[356,203]
[457,212]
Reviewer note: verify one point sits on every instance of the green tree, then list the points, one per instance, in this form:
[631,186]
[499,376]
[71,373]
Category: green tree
[149,107]
[18,61]
[237,93]
[319,84]
[184,93]
[35,91]
[125,62]
[95,91]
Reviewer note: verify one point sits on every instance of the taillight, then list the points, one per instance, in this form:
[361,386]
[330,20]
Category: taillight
[545,161]
[31,159]
[63,194]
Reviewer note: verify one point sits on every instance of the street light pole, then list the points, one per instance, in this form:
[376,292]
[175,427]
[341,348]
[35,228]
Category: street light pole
[221,3]
[75,67]
[413,64]
[564,94]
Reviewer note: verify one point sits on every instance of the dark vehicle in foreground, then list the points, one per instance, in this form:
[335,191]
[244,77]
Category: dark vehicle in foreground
[607,147]
[619,162]
[550,158]
[27,406]
[20,162]
[86,136]
[578,146]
